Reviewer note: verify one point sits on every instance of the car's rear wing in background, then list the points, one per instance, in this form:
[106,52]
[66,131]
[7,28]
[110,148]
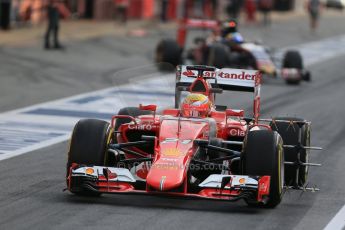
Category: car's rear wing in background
[186,24]
[226,79]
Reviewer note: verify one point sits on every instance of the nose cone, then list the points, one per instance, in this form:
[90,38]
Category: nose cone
[165,175]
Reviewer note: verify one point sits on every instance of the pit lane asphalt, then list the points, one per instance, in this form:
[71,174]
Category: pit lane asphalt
[31,185]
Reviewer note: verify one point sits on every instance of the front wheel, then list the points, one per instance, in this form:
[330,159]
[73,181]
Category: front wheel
[263,155]
[88,146]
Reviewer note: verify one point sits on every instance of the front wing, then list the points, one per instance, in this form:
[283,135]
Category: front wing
[100,179]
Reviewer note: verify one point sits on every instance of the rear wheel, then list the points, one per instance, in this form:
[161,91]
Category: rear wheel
[263,155]
[168,54]
[293,60]
[306,76]
[218,56]
[88,145]
[289,133]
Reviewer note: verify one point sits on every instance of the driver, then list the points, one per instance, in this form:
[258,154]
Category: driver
[196,105]
[230,34]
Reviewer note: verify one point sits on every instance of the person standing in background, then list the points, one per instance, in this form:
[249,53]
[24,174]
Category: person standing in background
[198,8]
[53,17]
[250,7]
[164,7]
[214,6]
[313,7]
[233,8]
[266,7]
[121,9]
[15,15]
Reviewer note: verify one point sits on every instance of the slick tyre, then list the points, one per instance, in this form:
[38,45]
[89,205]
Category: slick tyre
[88,145]
[218,56]
[306,76]
[263,154]
[133,135]
[289,133]
[293,60]
[168,54]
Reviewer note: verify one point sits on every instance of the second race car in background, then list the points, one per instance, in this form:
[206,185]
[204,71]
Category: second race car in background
[225,47]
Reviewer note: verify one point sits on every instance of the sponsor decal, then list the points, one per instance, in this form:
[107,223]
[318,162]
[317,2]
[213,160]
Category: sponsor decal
[169,140]
[188,73]
[237,132]
[171,152]
[227,75]
[147,127]
[166,166]
[241,76]
[186,142]
[169,159]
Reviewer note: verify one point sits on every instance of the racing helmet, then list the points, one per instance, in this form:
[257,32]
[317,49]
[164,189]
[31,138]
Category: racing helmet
[196,105]
[228,27]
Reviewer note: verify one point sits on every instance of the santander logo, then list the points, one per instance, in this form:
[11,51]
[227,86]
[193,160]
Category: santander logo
[240,76]
[188,73]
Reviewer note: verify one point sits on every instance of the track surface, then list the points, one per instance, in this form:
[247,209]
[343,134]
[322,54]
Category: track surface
[31,194]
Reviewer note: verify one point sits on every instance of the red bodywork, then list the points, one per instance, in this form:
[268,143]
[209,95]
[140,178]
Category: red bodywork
[174,148]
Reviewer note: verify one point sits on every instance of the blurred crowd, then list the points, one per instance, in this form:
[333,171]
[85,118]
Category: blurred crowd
[17,13]
[23,12]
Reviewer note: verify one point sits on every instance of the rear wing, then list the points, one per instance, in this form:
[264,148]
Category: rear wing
[187,24]
[226,79]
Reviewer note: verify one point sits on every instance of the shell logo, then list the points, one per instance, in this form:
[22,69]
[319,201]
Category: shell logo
[171,152]
[196,97]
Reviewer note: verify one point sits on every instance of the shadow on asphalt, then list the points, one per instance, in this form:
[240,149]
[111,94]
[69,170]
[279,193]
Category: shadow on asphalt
[160,202]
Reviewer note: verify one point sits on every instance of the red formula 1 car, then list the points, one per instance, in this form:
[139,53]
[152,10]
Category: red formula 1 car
[194,150]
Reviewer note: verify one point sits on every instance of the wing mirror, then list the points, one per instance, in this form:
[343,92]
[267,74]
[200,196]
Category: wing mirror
[234,113]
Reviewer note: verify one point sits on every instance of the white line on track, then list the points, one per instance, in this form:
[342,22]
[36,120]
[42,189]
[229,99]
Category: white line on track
[338,221]
[38,126]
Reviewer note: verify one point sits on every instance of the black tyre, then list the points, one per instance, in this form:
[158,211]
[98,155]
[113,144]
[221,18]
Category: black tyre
[293,60]
[133,135]
[168,54]
[263,154]
[218,55]
[289,133]
[88,145]
[306,76]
